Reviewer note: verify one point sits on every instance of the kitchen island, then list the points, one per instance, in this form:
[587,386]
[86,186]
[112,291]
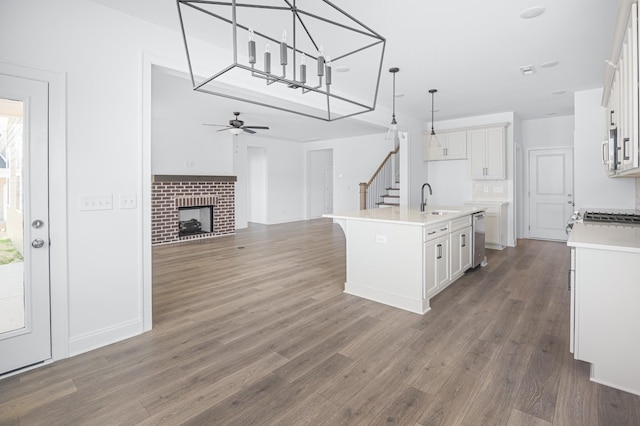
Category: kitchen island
[605,302]
[403,257]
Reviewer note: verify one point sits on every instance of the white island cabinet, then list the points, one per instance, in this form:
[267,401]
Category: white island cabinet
[605,302]
[402,257]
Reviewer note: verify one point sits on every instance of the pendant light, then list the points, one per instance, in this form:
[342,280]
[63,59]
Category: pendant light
[394,124]
[433,139]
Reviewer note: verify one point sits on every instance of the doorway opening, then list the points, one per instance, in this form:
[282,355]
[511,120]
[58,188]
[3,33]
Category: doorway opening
[319,182]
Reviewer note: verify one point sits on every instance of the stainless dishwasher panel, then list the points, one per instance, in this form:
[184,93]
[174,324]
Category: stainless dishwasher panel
[478,239]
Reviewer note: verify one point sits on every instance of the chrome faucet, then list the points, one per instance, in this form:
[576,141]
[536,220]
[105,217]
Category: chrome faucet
[423,204]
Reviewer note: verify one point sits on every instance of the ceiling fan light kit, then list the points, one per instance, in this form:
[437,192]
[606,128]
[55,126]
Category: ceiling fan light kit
[236,126]
[304,32]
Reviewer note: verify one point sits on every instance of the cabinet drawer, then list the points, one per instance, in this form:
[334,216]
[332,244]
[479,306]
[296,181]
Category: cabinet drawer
[460,223]
[436,230]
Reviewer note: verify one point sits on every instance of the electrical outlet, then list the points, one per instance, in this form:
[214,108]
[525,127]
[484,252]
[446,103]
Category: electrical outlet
[96,202]
[128,201]
[381,239]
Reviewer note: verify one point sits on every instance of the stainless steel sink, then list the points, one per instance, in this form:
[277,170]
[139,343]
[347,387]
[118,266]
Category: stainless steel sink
[439,212]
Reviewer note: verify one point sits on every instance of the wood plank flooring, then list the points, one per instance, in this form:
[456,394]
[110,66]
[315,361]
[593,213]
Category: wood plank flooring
[253,329]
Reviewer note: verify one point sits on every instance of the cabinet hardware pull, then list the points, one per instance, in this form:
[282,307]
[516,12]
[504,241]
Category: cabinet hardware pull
[432,232]
[464,240]
[612,123]
[443,229]
[625,151]
[569,281]
[439,251]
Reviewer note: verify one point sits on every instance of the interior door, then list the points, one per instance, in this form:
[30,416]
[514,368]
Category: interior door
[550,192]
[25,327]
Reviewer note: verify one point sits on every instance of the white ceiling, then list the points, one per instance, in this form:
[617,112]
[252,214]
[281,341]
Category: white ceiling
[469,50]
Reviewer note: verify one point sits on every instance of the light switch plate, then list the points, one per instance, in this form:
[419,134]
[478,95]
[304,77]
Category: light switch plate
[128,201]
[96,202]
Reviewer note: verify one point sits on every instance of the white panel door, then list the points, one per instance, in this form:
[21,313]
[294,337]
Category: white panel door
[25,327]
[550,192]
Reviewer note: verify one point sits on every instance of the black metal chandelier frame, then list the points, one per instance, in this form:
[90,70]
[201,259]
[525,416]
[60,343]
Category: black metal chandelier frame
[298,81]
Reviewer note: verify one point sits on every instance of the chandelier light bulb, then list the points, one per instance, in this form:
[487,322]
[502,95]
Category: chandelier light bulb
[252,48]
[283,49]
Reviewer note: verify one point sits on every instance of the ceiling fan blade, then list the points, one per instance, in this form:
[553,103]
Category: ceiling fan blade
[248,130]
[255,127]
[225,128]
[215,125]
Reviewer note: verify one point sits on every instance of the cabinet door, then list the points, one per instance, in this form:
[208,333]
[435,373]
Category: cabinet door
[460,252]
[442,262]
[492,229]
[456,254]
[477,153]
[436,273]
[456,147]
[466,247]
[430,271]
[494,141]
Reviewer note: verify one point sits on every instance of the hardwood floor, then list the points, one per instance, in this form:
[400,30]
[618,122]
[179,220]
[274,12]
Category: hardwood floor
[254,329]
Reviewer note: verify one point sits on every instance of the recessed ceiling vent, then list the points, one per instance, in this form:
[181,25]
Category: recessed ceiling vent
[532,12]
[528,70]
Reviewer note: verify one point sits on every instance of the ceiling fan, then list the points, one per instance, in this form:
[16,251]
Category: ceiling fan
[236,126]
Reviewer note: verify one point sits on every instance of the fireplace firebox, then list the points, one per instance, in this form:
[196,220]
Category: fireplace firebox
[195,220]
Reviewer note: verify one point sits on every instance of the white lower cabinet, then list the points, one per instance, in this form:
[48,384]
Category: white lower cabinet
[605,314]
[461,244]
[447,253]
[496,223]
[436,265]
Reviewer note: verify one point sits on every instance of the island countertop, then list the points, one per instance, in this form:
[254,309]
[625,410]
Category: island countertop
[408,216]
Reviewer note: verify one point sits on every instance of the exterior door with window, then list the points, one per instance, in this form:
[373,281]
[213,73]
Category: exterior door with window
[25,325]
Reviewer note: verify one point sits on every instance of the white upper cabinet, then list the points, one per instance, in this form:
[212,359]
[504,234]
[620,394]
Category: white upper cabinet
[487,156]
[453,146]
[621,149]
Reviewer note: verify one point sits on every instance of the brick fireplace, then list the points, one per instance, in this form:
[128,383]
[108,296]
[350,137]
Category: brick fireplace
[170,193]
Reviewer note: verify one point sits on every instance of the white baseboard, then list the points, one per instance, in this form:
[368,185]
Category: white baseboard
[106,336]
[412,305]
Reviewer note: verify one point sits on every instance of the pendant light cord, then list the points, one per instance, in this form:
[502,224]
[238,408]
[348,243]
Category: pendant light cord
[433,132]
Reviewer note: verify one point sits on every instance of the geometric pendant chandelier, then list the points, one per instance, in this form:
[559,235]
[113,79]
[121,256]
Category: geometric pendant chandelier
[306,57]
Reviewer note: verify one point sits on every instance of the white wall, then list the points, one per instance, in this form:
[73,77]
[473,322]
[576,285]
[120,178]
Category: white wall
[592,186]
[354,161]
[548,132]
[181,144]
[257,184]
[285,166]
[100,50]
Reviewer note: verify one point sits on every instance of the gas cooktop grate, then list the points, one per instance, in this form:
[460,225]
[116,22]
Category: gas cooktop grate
[626,218]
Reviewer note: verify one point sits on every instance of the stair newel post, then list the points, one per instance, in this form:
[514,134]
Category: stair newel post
[363,195]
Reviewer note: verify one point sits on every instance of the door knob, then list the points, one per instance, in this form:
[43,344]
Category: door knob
[37,243]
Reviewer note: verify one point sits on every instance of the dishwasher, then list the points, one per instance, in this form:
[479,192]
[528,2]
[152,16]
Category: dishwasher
[479,257]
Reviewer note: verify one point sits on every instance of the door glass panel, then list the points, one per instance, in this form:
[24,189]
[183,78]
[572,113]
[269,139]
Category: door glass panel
[12,288]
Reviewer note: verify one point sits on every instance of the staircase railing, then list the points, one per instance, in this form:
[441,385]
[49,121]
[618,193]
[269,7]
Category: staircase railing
[372,191]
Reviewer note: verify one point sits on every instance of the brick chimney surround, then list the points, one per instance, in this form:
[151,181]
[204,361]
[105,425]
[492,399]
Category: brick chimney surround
[169,192]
